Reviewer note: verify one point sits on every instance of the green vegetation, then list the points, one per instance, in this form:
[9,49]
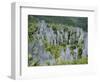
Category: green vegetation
[56,22]
[63,25]
[59,61]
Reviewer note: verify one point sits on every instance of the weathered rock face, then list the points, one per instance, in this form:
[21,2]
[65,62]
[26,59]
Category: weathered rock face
[75,54]
[68,55]
[85,48]
[69,37]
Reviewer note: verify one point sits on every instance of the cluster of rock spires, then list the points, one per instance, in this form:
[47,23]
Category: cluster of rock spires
[40,55]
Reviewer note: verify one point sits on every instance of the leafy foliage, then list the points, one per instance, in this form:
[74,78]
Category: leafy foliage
[68,24]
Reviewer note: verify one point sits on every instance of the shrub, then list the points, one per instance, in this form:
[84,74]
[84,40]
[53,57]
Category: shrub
[79,52]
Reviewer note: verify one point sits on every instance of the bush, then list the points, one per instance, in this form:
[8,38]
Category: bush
[79,52]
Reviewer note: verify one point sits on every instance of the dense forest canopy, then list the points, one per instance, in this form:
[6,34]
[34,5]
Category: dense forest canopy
[81,22]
